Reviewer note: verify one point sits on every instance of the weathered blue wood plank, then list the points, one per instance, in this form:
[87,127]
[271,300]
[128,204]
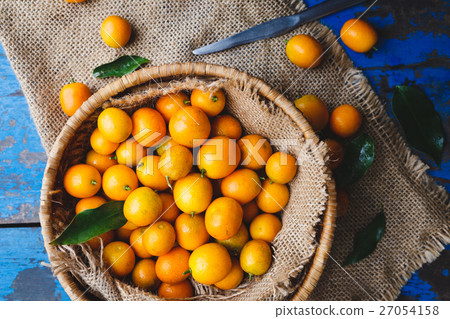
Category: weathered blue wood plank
[22,275]
[22,158]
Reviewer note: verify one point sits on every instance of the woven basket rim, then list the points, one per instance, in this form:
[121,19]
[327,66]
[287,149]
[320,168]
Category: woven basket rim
[72,287]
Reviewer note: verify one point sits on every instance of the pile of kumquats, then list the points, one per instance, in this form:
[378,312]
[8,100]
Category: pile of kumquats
[202,202]
[199,199]
[212,215]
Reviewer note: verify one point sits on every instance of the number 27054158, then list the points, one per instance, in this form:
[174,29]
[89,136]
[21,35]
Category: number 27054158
[409,310]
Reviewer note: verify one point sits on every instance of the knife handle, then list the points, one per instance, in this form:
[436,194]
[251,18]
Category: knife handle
[325,8]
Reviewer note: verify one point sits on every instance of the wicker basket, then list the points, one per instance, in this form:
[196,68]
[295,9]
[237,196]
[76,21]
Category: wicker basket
[56,207]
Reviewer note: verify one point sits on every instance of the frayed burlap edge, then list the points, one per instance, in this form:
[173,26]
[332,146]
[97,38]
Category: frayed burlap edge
[437,241]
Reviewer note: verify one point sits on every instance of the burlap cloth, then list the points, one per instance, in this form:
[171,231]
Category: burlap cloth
[49,42]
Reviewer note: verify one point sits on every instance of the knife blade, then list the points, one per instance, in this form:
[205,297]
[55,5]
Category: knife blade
[278,26]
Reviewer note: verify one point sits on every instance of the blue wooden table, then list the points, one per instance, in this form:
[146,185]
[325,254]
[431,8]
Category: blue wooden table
[413,49]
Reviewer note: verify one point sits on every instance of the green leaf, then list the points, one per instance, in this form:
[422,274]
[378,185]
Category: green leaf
[419,120]
[91,223]
[358,157]
[367,239]
[123,65]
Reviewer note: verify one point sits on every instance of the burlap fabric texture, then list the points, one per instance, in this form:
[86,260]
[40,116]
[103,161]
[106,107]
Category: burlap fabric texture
[49,42]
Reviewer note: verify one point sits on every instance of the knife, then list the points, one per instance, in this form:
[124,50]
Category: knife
[278,26]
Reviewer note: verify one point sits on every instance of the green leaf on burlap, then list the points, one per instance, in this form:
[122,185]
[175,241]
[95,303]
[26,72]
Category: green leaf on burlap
[367,239]
[122,66]
[358,157]
[419,120]
[91,223]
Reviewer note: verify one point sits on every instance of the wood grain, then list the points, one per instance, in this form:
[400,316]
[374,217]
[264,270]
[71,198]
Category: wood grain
[22,158]
[22,274]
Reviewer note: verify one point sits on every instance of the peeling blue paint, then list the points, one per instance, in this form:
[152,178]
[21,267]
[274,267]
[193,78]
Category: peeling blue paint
[381,22]
[23,277]
[402,52]
[22,157]
[419,289]
[37,280]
